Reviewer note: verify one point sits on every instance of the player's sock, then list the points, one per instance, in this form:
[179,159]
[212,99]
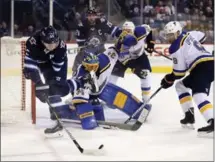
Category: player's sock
[184,96]
[204,105]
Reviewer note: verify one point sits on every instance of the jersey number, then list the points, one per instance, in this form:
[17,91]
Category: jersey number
[199,47]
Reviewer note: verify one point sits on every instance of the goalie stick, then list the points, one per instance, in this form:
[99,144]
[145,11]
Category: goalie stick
[81,149]
[143,115]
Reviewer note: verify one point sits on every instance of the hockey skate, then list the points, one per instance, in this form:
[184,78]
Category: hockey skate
[207,130]
[189,119]
[56,131]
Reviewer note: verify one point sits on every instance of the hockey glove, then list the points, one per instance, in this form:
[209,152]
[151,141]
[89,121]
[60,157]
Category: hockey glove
[32,74]
[167,81]
[42,91]
[90,81]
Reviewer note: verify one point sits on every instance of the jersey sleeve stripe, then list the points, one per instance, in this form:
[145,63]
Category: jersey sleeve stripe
[200,59]
[141,37]
[182,40]
[56,68]
[179,72]
[30,59]
[56,63]
[80,40]
[30,66]
[113,31]
[202,40]
[105,68]
[125,61]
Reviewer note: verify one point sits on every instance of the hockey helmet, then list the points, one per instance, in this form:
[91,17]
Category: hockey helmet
[49,35]
[172,30]
[92,15]
[91,62]
[91,11]
[128,26]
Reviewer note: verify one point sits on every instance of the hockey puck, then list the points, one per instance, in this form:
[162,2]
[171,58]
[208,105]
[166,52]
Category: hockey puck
[100,147]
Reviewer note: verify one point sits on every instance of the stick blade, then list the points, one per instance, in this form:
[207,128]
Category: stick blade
[95,152]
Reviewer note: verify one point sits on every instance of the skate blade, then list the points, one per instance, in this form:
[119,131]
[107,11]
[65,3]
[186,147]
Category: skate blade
[54,135]
[209,135]
[188,126]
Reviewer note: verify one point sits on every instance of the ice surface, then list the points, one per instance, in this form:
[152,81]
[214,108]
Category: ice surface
[160,138]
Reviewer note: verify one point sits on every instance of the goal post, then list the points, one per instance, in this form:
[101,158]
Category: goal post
[17,92]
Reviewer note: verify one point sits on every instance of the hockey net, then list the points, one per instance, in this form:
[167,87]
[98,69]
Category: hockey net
[17,94]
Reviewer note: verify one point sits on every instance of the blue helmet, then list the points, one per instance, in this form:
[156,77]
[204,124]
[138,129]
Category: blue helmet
[49,35]
[91,62]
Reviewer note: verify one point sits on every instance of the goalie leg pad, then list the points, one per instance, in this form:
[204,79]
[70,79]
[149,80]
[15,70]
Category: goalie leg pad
[99,112]
[120,98]
[86,115]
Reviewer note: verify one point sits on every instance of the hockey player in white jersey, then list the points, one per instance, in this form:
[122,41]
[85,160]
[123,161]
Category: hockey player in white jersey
[132,44]
[190,56]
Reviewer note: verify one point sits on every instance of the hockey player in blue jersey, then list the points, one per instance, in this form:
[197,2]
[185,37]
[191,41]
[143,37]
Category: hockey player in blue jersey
[132,44]
[46,54]
[190,56]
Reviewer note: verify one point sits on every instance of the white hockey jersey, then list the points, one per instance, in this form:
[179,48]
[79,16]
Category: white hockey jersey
[187,52]
[132,45]
[198,35]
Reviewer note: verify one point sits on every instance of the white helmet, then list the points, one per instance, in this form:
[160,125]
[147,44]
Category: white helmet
[128,25]
[172,27]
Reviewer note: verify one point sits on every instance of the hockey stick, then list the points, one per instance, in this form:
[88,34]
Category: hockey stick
[160,53]
[143,105]
[81,149]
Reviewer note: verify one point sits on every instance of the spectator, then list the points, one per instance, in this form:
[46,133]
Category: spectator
[210,33]
[1,31]
[159,7]
[169,8]
[134,9]
[201,6]
[4,29]
[209,12]
[17,32]
[30,31]
[161,15]
[147,9]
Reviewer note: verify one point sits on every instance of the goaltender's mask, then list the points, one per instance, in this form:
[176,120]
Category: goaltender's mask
[91,62]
